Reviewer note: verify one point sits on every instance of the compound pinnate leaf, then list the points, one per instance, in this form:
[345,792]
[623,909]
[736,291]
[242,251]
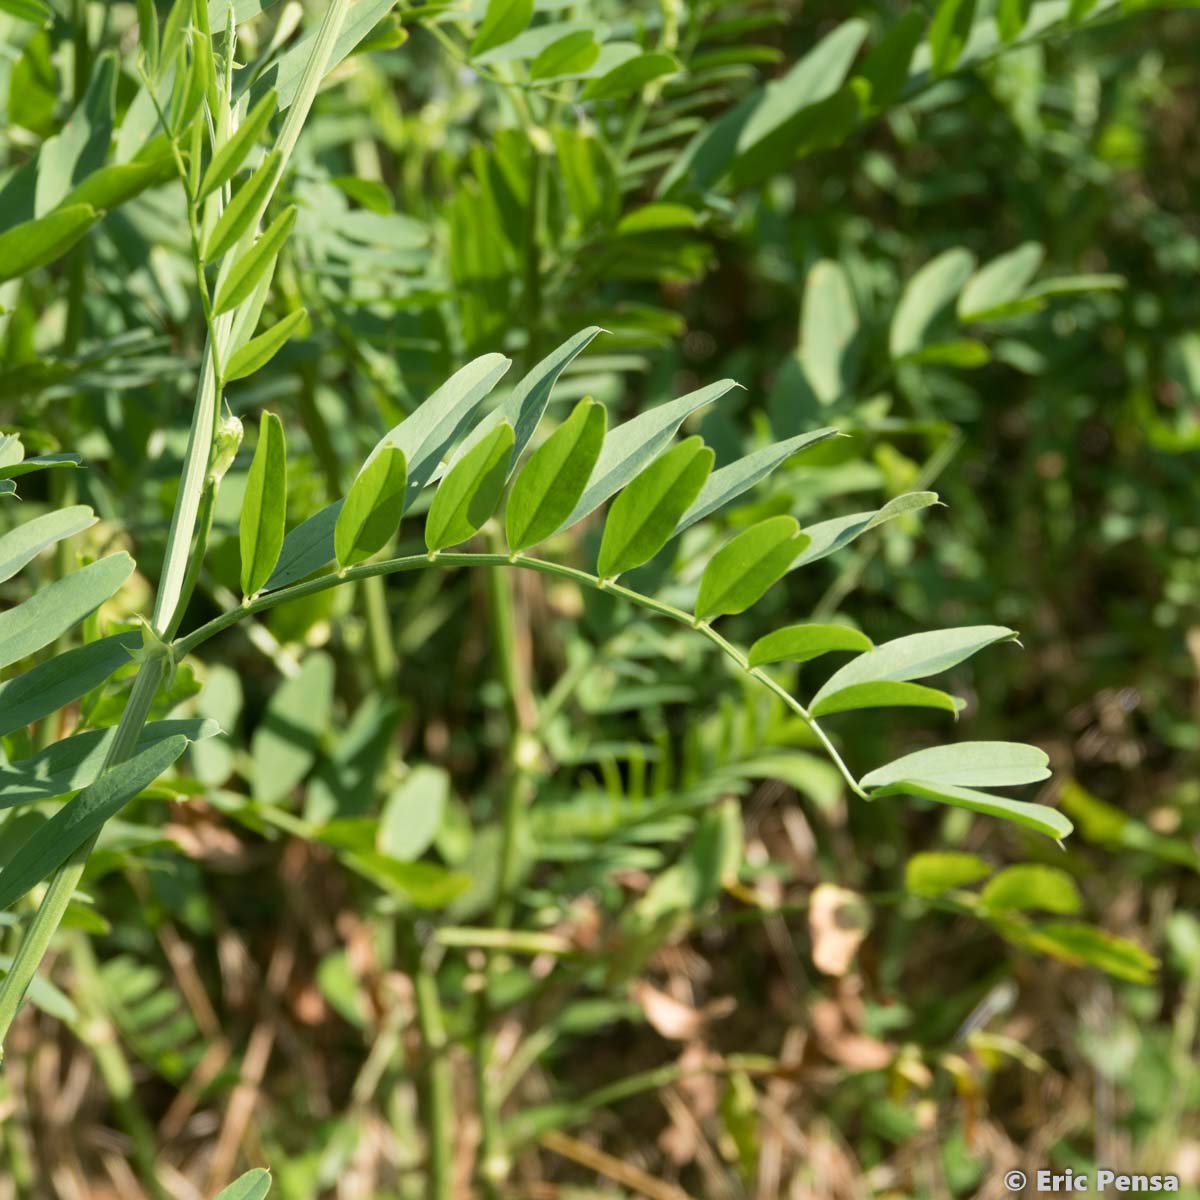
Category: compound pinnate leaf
[53,610]
[644,515]
[373,508]
[914,657]
[967,764]
[800,643]
[1038,817]
[424,436]
[80,818]
[740,573]
[468,495]
[551,482]
[264,506]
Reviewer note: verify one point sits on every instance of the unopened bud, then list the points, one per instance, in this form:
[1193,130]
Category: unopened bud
[225,447]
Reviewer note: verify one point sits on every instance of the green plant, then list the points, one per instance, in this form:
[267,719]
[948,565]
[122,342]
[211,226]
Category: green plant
[550,227]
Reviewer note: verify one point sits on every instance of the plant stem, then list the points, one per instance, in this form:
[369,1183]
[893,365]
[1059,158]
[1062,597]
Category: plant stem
[439,1081]
[63,883]
[417,562]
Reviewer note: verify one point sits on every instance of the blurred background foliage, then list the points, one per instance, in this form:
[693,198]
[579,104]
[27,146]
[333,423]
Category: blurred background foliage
[725,978]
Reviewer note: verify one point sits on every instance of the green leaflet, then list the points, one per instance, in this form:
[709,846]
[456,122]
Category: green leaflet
[245,208]
[1011,16]
[424,436]
[740,476]
[935,872]
[254,1185]
[630,76]
[914,657]
[502,22]
[829,329]
[50,685]
[885,69]
[827,537]
[799,643]
[424,884]
[229,157]
[255,263]
[948,33]
[929,296]
[643,517]
[885,694]
[111,186]
[74,762]
[21,545]
[468,495]
[36,11]
[1038,817]
[739,574]
[264,507]
[287,739]
[1032,886]
[999,282]
[374,505]
[76,822]
[629,447]
[551,482]
[53,610]
[570,54]
[412,813]
[259,351]
[39,462]
[966,764]
[524,407]
[35,243]
[1076,942]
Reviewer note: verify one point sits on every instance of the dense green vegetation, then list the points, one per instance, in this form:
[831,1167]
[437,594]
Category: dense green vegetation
[515,524]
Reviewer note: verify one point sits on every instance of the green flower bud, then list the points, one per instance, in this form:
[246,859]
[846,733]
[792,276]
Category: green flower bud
[225,447]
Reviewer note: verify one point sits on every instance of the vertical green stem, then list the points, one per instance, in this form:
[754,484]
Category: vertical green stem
[439,1081]
[524,753]
[63,883]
